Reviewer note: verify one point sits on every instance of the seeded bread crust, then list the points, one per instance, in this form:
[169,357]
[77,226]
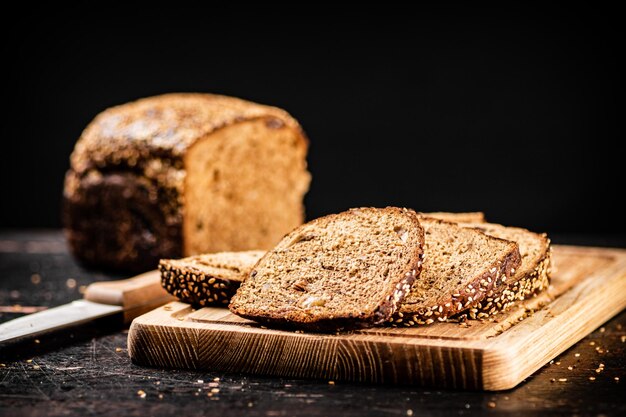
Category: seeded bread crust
[496,274]
[207,280]
[338,320]
[124,193]
[529,286]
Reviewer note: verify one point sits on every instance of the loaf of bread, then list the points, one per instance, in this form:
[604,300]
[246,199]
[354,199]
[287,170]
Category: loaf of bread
[210,279]
[345,270]
[182,174]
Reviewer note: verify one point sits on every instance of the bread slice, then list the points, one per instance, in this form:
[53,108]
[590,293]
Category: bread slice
[461,266]
[210,279]
[468,217]
[345,270]
[532,276]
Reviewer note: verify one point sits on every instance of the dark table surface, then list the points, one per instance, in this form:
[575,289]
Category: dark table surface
[91,374]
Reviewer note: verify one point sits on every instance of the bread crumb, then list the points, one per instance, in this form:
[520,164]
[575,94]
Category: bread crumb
[552,380]
[250,404]
[331,382]
[409,412]
[200,381]
[141,393]
[29,360]
[35,279]
[602,329]
[160,396]
[616,379]
[215,390]
[82,289]
[70,283]
[118,349]
[36,367]
[216,380]
[491,404]
[623,339]
[37,341]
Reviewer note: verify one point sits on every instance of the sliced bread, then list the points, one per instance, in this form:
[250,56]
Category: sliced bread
[210,279]
[341,271]
[532,276]
[468,217]
[461,266]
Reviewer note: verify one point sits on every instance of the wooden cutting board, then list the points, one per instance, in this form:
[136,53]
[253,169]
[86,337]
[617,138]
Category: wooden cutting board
[588,288]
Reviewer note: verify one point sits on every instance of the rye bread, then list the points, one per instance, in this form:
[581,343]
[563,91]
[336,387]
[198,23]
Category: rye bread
[461,266]
[210,279]
[529,279]
[346,270]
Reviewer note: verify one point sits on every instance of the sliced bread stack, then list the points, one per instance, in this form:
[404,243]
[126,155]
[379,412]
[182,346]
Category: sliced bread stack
[471,269]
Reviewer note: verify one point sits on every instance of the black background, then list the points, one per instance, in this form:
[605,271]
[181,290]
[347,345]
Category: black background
[509,111]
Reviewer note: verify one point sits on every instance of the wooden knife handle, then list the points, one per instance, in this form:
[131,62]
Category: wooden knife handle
[135,295]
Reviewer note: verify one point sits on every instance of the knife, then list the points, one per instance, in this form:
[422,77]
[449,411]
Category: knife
[128,298]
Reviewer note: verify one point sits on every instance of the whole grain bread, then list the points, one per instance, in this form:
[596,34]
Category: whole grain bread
[461,266]
[209,279]
[345,270]
[182,174]
[529,279]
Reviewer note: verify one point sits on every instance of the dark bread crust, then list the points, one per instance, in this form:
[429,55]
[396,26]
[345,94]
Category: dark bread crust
[337,322]
[123,198]
[116,221]
[498,272]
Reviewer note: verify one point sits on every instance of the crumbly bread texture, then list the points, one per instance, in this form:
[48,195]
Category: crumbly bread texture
[461,266]
[345,270]
[182,174]
[468,217]
[210,279]
[532,276]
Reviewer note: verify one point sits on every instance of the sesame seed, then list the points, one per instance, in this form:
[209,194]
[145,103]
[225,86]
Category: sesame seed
[562,379]
[592,378]
[141,393]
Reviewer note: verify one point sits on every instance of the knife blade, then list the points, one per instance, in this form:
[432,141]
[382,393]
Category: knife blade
[129,298]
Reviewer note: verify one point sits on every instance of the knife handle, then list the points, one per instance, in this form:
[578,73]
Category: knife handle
[136,295]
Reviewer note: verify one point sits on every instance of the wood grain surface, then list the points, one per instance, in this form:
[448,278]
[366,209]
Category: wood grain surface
[589,287]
